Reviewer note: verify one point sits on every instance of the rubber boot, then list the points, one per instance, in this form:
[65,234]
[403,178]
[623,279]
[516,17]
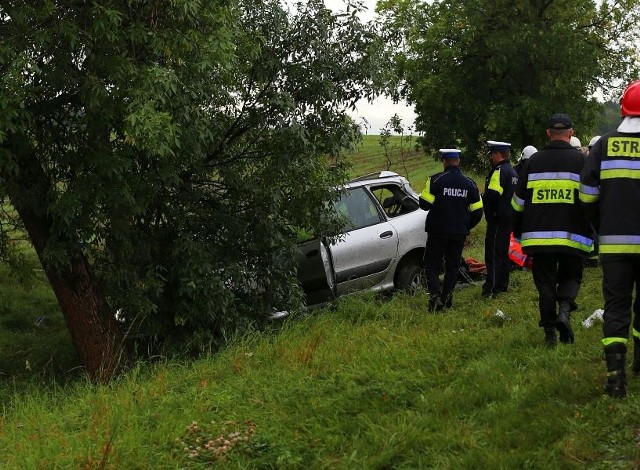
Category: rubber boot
[563,323]
[550,339]
[448,303]
[635,365]
[615,355]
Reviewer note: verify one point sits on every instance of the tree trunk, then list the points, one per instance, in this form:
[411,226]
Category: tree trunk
[94,329]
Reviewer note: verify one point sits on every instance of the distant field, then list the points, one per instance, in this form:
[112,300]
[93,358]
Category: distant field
[400,155]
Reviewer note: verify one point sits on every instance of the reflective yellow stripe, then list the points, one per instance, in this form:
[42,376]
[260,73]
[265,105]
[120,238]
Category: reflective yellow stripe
[617,249]
[588,198]
[516,207]
[619,173]
[557,242]
[475,206]
[636,333]
[426,193]
[494,182]
[553,184]
[608,341]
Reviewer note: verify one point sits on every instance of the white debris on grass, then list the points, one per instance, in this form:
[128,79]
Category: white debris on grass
[596,315]
[500,314]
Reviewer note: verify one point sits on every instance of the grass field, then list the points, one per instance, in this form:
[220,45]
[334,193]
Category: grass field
[370,383]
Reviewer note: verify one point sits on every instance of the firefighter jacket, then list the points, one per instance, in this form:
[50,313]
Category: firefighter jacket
[610,192]
[453,202]
[548,215]
[498,191]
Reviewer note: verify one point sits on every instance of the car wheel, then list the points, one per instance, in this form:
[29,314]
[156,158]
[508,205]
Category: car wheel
[410,278]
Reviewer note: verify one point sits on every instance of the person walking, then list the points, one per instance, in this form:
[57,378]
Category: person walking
[455,207]
[498,191]
[610,190]
[552,227]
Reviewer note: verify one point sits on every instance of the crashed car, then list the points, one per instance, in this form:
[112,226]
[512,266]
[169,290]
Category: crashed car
[382,247]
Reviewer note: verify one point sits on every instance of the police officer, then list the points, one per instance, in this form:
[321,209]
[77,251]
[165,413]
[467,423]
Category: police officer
[498,191]
[455,207]
[610,189]
[550,221]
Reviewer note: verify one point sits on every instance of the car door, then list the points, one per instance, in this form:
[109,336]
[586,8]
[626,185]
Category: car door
[315,272]
[363,256]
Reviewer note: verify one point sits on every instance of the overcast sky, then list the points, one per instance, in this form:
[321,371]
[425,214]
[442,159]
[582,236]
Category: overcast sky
[382,109]
[377,113]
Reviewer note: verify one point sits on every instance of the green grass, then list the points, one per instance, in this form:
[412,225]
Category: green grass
[372,382]
[400,155]
[34,340]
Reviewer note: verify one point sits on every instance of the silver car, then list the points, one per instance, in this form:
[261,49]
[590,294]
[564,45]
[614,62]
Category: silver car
[381,249]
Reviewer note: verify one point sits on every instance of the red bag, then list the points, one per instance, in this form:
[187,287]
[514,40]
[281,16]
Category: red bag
[517,257]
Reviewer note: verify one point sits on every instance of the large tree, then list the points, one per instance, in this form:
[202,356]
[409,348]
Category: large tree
[163,154]
[496,69]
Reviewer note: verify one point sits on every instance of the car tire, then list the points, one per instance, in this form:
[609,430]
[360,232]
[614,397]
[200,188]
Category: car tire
[410,278]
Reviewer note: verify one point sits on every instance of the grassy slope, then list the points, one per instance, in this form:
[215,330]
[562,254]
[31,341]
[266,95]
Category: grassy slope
[371,383]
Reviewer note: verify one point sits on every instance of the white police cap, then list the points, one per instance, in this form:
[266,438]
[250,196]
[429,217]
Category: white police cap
[450,153]
[497,145]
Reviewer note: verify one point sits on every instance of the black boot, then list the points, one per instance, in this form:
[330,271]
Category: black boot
[635,365]
[564,322]
[616,384]
[435,304]
[448,303]
[550,337]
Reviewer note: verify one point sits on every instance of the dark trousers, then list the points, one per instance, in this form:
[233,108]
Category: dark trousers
[496,258]
[621,275]
[447,247]
[557,277]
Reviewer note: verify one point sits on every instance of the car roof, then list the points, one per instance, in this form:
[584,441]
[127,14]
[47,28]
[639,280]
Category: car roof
[374,177]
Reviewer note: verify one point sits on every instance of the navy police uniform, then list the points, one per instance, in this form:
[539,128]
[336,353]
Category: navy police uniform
[499,187]
[455,207]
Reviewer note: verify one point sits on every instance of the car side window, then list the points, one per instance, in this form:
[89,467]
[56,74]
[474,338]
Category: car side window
[359,208]
[394,200]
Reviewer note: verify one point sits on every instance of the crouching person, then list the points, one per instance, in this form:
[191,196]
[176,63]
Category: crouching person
[455,207]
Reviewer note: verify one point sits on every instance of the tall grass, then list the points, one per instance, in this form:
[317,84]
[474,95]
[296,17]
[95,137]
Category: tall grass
[371,382]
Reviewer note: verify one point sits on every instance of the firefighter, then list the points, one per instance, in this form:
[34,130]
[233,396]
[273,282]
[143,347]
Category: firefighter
[526,154]
[575,143]
[610,189]
[499,186]
[455,207]
[552,227]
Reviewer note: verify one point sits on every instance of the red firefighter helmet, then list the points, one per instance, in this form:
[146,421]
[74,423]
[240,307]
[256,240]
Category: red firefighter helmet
[630,102]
